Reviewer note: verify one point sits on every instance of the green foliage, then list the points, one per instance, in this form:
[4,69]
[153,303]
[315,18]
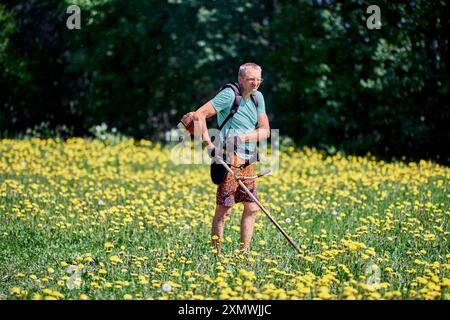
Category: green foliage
[330,82]
[7,28]
[358,89]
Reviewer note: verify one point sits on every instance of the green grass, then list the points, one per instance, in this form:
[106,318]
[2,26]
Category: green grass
[65,204]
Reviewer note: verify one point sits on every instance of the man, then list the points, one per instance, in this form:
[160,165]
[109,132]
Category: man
[240,128]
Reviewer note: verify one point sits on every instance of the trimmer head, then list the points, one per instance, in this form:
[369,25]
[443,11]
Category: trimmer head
[187,123]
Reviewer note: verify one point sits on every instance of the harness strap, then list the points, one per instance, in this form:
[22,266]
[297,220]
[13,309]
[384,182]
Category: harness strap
[237,102]
[234,109]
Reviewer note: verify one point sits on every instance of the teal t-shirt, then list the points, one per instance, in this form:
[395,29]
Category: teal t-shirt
[243,121]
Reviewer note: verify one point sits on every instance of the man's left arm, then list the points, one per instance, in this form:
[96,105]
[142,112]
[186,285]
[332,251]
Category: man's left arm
[261,133]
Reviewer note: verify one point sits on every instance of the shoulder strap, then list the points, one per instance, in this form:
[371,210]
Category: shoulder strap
[236,103]
[255,101]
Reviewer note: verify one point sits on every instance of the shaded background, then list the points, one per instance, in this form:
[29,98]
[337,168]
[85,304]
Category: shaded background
[139,65]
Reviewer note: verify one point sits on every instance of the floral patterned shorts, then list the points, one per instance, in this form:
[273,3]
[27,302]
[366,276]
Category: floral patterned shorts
[229,191]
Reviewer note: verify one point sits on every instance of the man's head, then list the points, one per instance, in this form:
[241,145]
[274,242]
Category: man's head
[249,78]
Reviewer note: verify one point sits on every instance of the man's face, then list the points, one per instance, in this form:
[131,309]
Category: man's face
[251,81]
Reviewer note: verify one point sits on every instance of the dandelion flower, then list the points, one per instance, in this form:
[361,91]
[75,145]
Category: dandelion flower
[108,245]
[15,290]
[115,259]
[36,296]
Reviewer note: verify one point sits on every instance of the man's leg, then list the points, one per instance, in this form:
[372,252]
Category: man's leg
[247,224]
[222,213]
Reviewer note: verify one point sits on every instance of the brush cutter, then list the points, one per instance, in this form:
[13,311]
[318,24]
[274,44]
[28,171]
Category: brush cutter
[187,124]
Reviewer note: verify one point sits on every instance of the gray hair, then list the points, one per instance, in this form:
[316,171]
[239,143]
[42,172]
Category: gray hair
[245,66]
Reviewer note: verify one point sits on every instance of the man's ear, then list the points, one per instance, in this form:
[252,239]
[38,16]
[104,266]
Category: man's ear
[240,80]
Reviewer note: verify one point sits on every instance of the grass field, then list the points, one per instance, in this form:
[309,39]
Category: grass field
[83,220]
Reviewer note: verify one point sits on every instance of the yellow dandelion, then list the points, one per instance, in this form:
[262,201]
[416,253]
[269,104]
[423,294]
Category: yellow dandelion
[15,290]
[108,245]
[115,259]
[37,296]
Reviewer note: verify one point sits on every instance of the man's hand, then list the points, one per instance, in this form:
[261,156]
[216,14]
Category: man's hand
[261,133]
[213,151]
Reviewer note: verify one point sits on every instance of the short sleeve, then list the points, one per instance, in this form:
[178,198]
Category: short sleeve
[223,100]
[261,103]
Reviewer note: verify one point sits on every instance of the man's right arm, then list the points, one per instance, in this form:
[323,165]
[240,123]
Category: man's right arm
[222,101]
[200,128]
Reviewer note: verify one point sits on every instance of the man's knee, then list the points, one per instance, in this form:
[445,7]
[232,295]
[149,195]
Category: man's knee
[251,209]
[223,212]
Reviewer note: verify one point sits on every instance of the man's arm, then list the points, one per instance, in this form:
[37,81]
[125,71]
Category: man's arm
[200,128]
[261,133]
